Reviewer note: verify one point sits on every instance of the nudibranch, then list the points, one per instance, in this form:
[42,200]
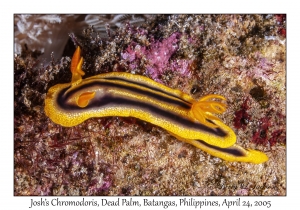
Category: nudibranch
[127,95]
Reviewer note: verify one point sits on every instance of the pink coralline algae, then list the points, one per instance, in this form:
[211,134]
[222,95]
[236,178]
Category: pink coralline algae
[263,69]
[133,55]
[157,57]
[182,66]
[133,51]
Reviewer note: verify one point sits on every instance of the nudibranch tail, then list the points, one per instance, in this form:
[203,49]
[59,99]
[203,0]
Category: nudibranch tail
[233,153]
[126,95]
